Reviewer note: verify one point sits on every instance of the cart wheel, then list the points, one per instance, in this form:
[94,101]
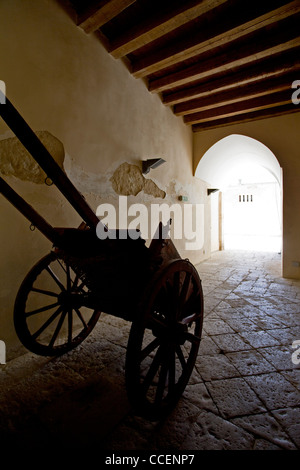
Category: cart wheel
[164,340]
[49,315]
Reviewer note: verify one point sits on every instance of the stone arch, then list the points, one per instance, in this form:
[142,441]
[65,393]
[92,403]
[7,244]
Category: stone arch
[232,151]
[224,161]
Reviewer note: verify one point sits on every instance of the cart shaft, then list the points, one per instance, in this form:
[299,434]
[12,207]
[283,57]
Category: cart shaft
[36,220]
[39,152]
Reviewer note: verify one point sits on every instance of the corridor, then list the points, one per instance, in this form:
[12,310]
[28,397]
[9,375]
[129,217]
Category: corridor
[244,393]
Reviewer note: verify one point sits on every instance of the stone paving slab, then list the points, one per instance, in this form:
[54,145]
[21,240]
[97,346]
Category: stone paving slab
[244,393]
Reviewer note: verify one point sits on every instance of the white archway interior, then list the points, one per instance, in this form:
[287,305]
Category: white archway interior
[232,154]
[250,178]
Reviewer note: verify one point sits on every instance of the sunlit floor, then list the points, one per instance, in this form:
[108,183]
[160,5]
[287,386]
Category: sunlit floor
[253,243]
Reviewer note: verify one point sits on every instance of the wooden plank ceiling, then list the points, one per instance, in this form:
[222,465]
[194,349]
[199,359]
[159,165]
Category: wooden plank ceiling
[215,62]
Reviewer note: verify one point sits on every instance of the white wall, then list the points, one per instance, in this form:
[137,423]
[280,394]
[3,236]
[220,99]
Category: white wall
[215,222]
[253,223]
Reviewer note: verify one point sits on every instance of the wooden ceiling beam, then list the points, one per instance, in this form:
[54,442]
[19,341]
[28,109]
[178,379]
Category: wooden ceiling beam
[98,15]
[246,106]
[249,117]
[158,25]
[222,63]
[240,93]
[217,34]
[274,67]
[218,62]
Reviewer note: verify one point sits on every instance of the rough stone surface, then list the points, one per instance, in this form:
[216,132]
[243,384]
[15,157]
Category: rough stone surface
[16,161]
[244,394]
[128,180]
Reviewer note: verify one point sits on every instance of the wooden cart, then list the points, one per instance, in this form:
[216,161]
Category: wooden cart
[61,298]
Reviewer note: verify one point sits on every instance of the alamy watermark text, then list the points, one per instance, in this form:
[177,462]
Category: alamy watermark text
[296,354]
[296,93]
[187,221]
[2,352]
[2,92]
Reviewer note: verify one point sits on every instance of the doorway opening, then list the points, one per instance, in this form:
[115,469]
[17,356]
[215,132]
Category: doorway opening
[252,211]
[246,211]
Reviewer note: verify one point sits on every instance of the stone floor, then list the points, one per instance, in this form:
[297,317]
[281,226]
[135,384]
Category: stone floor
[244,393]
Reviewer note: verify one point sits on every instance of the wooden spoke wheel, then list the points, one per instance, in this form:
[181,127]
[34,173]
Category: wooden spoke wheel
[164,340]
[49,315]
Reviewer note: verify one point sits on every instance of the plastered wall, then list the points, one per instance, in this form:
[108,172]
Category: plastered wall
[103,122]
[281,135]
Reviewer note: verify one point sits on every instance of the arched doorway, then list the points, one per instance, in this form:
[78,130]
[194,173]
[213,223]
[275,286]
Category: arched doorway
[246,212]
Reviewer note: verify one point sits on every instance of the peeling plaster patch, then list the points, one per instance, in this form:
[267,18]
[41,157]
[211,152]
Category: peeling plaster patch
[151,188]
[194,191]
[16,161]
[174,188]
[87,182]
[128,180]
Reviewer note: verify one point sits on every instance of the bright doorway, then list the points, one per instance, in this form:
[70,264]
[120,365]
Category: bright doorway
[252,211]
[246,211]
